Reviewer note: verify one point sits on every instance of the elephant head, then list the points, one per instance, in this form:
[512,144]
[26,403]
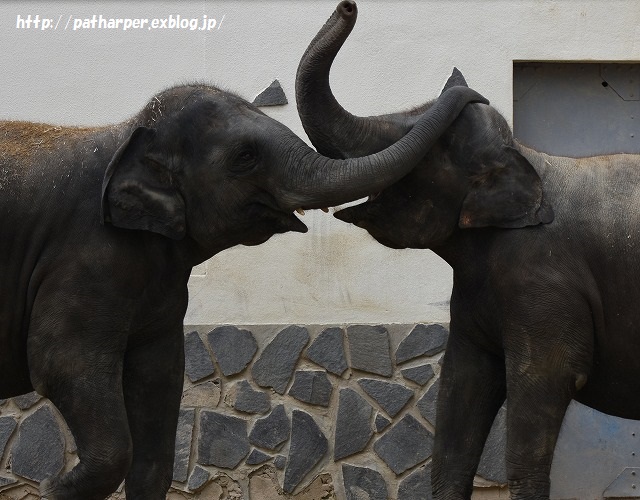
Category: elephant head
[473,176]
[206,167]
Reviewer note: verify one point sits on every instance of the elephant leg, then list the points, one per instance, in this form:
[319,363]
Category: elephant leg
[87,390]
[536,408]
[95,413]
[76,349]
[472,389]
[548,357]
[153,377]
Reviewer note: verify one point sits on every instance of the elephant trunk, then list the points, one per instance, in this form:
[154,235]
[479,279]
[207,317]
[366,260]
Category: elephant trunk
[317,181]
[333,130]
[315,100]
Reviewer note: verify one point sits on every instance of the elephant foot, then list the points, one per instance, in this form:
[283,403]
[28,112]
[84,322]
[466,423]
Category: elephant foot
[82,484]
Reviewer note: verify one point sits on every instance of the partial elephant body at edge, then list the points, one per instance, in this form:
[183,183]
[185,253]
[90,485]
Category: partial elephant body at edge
[545,253]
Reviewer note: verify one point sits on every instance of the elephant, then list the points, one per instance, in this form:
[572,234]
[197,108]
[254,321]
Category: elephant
[100,230]
[545,253]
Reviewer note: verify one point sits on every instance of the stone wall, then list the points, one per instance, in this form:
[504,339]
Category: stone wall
[271,412]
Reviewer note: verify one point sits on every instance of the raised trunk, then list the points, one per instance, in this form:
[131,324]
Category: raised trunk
[334,131]
[316,181]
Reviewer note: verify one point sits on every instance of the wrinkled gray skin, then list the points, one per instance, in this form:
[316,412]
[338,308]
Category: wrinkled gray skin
[100,229]
[544,307]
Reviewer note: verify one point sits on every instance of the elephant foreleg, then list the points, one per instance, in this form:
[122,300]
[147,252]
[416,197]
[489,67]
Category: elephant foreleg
[87,390]
[153,377]
[75,349]
[548,358]
[96,416]
[472,389]
[537,405]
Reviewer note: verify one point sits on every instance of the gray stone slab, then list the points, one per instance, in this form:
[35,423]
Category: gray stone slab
[275,365]
[280,462]
[248,400]
[233,348]
[419,374]
[184,434]
[493,466]
[197,362]
[427,404]
[362,483]
[205,394]
[26,401]
[369,349]
[271,431]
[307,447]
[7,426]
[416,486]
[38,451]
[313,387]
[353,424]
[327,350]
[424,340]
[198,478]
[273,95]
[222,440]
[390,396]
[381,422]
[405,445]
[257,457]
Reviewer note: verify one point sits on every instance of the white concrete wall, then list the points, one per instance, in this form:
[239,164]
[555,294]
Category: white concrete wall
[398,56]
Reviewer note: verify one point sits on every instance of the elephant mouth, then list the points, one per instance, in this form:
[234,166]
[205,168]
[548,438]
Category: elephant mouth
[365,216]
[287,221]
[267,221]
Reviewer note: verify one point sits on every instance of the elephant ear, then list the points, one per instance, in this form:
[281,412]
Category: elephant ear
[508,194]
[456,79]
[138,190]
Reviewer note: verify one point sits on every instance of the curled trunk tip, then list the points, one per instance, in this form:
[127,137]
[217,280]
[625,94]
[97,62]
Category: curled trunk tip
[347,8]
[314,97]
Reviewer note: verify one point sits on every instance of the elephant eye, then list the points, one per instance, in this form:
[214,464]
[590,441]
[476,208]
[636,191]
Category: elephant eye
[244,160]
[246,156]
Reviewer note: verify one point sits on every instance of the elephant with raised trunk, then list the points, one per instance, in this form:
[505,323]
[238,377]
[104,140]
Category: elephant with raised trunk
[100,229]
[545,254]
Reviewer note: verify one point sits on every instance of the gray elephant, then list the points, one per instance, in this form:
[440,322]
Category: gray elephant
[100,229]
[545,254]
